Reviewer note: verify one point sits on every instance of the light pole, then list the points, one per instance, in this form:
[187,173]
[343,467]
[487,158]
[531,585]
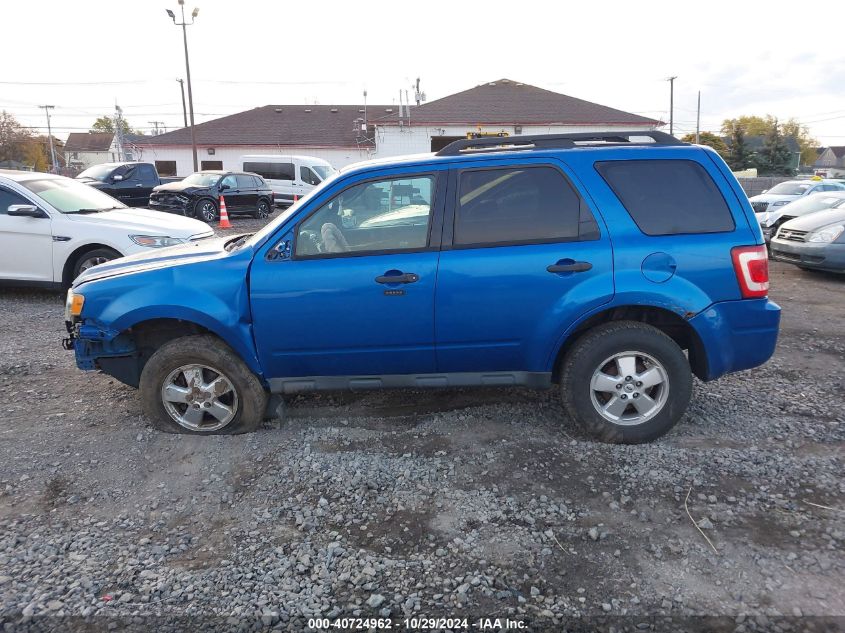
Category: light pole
[47,109]
[184,24]
[184,110]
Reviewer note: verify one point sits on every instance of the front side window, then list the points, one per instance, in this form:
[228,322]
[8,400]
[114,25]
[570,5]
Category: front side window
[8,198]
[519,206]
[668,197]
[381,216]
[307,176]
[229,181]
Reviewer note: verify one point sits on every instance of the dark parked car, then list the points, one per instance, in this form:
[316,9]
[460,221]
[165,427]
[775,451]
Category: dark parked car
[198,195]
[131,182]
[815,241]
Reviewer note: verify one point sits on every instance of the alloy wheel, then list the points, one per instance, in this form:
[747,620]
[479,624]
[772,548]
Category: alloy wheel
[629,388]
[199,398]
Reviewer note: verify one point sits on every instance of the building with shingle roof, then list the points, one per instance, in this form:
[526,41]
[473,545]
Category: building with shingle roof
[344,134]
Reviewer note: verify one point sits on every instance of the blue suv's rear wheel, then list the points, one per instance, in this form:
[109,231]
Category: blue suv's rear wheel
[199,385]
[626,382]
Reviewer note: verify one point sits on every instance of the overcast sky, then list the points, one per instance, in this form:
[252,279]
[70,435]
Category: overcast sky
[746,57]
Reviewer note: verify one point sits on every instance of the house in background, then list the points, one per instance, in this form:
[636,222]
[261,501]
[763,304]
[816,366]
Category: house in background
[84,149]
[346,134]
[831,162]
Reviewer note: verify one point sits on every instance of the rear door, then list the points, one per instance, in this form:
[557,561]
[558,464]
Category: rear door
[248,192]
[26,244]
[524,255]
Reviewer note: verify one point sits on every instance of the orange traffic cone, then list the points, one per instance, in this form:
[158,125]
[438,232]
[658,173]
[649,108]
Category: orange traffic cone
[295,198]
[224,215]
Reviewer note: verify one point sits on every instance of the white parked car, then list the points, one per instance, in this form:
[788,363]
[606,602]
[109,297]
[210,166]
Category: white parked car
[790,191]
[771,220]
[288,176]
[52,228]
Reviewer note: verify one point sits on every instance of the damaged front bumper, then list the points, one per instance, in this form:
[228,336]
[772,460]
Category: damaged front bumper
[99,348]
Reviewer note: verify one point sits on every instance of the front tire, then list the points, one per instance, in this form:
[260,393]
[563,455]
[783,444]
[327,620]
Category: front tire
[198,385]
[93,258]
[626,382]
[206,210]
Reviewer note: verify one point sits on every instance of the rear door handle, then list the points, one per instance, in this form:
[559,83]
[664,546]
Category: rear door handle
[404,278]
[572,267]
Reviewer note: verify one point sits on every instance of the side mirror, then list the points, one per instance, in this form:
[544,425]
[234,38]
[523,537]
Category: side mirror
[24,211]
[223,187]
[117,178]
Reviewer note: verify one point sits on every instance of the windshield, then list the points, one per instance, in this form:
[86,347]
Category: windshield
[283,217]
[70,196]
[323,171]
[97,172]
[202,180]
[813,202]
[790,188]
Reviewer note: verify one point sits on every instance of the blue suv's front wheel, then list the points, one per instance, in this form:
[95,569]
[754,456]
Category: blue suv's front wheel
[626,382]
[199,385]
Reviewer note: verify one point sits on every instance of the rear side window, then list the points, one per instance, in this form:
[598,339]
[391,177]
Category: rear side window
[520,206]
[245,181]
[271,171]
[668,197]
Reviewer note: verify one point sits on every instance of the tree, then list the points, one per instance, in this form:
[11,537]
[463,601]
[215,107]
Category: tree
[774,158]
[801,134]
[751,125]
[12,138]
[739,157]
[105,123]
[710,140]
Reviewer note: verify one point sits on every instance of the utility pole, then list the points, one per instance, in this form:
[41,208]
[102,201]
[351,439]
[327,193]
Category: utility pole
[118,131]
[155,125]
[698,119]
[185,24]
[671,81]
[47,109]
[184,109]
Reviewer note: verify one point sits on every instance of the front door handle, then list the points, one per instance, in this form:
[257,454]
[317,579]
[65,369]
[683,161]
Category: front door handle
[401,278]
[569,267]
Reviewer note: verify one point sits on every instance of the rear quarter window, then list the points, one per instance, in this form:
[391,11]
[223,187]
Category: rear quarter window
[668,197]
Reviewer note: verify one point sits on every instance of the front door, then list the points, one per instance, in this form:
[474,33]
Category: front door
[355,297]
[523,257]
[27,243]
[229,190]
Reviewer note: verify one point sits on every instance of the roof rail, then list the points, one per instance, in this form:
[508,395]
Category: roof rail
[555,141]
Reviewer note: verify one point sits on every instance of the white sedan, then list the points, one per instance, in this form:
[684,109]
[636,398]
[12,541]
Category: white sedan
[52,228]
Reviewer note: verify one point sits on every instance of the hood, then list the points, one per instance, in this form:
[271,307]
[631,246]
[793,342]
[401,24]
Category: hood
[179,185]
[145,222]
[817,220]
[773,197]
[154,258]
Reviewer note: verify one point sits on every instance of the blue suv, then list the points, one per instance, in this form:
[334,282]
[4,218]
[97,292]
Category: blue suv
[615,266]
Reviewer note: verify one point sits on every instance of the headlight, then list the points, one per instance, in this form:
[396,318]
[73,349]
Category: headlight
[155,241]
[73,305]
[780,203]
[827,234]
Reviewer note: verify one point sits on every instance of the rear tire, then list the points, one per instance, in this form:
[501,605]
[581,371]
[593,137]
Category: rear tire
[198,385]
[262,211]
[92,258]
[206,210]
[626,382]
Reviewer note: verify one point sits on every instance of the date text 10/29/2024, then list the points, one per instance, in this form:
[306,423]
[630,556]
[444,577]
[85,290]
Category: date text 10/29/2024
[416,624]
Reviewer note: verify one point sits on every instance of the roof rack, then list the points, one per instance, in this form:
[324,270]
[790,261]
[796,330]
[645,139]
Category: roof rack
[556,141]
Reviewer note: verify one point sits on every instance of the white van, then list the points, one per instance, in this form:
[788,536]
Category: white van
[288,176]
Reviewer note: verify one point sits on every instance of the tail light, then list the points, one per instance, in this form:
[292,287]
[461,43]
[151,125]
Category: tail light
[751,264]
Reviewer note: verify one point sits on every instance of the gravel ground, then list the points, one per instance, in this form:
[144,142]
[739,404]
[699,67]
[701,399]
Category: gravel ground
[466,503]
